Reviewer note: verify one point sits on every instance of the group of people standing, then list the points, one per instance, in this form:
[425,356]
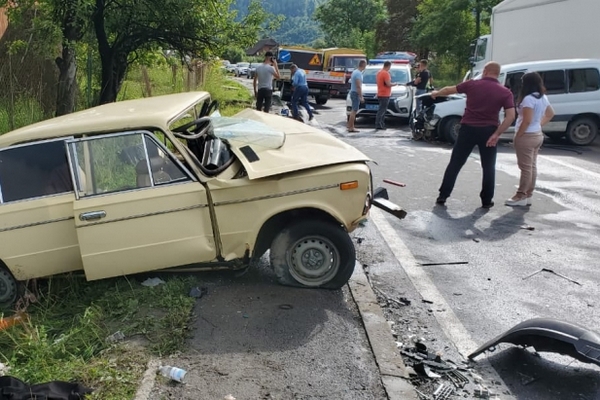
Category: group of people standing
[480,125]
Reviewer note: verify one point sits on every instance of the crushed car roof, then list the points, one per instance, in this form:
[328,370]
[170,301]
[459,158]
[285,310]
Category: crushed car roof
[122,115]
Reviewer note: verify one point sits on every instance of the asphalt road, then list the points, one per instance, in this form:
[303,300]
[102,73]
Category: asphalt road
[489,292]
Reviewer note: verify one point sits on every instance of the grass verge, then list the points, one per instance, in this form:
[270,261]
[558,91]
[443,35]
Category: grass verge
[65,336]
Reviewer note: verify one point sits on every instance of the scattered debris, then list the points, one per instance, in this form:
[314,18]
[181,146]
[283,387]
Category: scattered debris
[359,240]
[18,318]
[197,292]
[391,182]
[402,302]
[526,379]
[483,393]
[286,306]
[527,227]
[443,392]
[458,379]
[444,263]
[427,301]
[151,282]
[115,337]
[229,397]
[4,369]
[476,240]
[173,373]
[407,302]
[552,272]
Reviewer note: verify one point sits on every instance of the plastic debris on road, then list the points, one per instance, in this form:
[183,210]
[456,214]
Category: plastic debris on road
[151,282]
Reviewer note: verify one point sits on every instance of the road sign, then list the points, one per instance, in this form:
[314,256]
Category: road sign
[285,56]
[315,60]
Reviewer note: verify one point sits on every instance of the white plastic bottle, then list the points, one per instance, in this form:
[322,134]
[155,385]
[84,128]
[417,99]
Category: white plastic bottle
[173,373]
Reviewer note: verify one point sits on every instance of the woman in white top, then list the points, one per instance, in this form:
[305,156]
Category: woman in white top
[534,112]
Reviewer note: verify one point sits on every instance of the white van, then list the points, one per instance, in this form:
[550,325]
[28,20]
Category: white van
[573,88]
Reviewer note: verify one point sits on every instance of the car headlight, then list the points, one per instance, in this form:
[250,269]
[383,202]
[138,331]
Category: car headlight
[434,120]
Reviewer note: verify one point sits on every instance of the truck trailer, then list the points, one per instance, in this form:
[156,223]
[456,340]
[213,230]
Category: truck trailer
[327,70]
[537,30]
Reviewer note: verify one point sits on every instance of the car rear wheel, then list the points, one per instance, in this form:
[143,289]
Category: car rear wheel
[9,289]
[320,100]
[313,254]
[582,131]
[450,129]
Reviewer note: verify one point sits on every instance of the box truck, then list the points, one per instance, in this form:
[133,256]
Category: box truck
[536,30]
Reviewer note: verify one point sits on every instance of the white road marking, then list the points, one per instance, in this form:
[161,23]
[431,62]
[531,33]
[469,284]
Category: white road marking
[574,167]
[444,315]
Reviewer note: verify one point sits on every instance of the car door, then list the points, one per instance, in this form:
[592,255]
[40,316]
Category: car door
[137,208]
[36,211]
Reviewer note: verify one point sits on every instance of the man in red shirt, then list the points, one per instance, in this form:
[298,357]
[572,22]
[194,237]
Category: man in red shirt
[479,127]
[384,91]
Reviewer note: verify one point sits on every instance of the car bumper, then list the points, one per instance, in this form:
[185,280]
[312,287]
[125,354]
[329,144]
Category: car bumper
[397,107]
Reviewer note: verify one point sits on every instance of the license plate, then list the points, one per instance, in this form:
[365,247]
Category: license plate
[314,91]
[372,106]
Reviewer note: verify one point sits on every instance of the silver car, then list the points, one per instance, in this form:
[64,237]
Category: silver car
[400,105]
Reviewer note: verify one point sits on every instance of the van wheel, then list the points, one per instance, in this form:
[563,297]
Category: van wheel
[320,100]
[582,131]
[9,289]
[450,129]
[313,254]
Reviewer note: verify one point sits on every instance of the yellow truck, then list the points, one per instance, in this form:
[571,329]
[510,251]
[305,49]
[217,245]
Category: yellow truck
[327,70]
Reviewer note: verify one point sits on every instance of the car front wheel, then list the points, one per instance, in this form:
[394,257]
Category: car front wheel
[450,129]
[9,289]
[313,254]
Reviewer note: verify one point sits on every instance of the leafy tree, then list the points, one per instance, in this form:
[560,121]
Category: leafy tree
[394,32]
[446,27]
[195,28]
[233,54]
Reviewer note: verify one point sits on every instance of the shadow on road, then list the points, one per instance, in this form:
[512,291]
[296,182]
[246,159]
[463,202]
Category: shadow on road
[534,377]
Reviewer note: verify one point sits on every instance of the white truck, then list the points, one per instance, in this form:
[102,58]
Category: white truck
[535,30]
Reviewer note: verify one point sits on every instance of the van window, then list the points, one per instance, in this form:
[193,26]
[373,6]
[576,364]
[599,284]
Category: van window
[584,80]
[34,170]
[554,81]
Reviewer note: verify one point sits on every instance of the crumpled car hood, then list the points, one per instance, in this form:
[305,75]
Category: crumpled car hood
[304,147]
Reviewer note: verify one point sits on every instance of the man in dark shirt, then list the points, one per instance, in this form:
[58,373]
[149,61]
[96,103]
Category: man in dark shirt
[479,127]
[421,81]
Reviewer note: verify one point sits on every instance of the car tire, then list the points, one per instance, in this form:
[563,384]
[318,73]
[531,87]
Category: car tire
[9,289]
[319,240]
[450,129]
[582,131]
[321,100]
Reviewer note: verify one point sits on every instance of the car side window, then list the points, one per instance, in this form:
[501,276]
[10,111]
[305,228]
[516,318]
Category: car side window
[554,81]
[584,80]
[121,162]
[34,170]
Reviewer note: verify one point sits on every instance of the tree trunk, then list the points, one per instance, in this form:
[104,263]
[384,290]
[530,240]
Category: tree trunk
[113,73]
[67,81]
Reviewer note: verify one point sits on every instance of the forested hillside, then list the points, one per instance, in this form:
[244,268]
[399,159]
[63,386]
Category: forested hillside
[298,27]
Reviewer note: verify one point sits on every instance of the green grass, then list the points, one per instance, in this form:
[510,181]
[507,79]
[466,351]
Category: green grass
[26,111]
[64,338]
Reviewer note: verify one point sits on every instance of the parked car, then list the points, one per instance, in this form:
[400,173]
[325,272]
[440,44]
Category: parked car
[252,70]
[573,88]
[400,105]
[241,69]
[231,68]
[148,184]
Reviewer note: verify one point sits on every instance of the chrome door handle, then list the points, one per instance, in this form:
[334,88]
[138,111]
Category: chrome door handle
[92,215]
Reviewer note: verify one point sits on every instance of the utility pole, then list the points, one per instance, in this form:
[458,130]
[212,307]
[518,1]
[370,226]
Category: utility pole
[477,18]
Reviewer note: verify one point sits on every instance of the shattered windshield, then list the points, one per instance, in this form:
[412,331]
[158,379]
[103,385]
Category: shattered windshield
[242,131]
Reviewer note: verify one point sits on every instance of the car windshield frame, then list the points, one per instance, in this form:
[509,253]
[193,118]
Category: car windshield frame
[371,74]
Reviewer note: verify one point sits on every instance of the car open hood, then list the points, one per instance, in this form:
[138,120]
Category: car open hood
[304,147]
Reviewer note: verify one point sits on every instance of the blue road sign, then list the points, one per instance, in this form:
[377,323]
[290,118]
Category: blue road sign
[285,56]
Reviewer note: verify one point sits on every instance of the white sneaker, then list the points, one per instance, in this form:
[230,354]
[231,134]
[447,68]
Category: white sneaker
[514,203]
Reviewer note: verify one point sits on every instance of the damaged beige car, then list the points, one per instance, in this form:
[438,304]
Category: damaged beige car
[165,182]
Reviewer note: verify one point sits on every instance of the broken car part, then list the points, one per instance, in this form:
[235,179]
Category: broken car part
[391,182]
[552,272]
[381,200]
[550,335]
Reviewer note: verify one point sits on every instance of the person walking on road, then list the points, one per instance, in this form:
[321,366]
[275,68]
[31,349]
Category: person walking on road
[263,82]
[384,91]
[300,92]
[479,127]
[356,96]
[534,111]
